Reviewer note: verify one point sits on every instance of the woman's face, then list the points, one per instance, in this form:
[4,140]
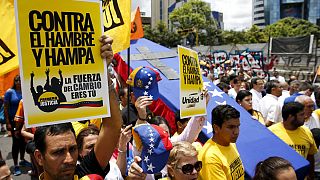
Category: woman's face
[286,174]
[177,172]
[17,81]
[246,103]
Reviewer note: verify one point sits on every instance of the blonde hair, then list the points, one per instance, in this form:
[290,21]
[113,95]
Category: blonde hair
[181,149]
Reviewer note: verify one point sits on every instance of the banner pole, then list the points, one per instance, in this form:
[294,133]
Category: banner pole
[128,98]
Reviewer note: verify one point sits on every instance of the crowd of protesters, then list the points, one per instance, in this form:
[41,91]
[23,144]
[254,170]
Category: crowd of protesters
[136,144]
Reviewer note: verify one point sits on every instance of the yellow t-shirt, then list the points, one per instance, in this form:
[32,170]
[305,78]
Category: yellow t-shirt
[220,162]
[258,116]
[301,139]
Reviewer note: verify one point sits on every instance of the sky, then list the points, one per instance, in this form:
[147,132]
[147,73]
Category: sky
[237,14]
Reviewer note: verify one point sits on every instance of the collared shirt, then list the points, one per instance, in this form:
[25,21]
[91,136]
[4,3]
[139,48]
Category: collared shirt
[313,121]
[256,97]
[270,108]
[292,98]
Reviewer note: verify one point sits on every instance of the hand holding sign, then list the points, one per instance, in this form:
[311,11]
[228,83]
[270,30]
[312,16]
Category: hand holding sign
[106,49]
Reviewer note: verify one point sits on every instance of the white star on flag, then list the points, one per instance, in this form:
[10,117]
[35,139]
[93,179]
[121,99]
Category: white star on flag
[146,159]
[151,78]
[145,93]
[150,151]
[151,96]
[215,92]
[152,145]
[221,103]
[151,133]
[208,127]
[149,74]
[150,167]
[149,83]
[151,139]
[145,72]
[147,87]
[206,84]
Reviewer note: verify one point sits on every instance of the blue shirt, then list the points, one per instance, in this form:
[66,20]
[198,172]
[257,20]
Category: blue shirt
[12,97]
[291,98]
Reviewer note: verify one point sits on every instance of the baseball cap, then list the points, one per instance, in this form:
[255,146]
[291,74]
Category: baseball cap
[144,82]
[154,144]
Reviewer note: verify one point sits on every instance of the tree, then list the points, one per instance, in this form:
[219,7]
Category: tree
[196,15]
[290,27]
[192,14]
[161,35]
[255,35]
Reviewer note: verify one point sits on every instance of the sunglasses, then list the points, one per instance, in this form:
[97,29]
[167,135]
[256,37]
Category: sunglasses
[188,168]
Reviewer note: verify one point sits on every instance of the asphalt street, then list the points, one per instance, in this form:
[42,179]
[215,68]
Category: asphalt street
[5,147]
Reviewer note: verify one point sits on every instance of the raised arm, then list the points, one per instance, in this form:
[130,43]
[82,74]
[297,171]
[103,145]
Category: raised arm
[111,126]
[47,85]
[61,78]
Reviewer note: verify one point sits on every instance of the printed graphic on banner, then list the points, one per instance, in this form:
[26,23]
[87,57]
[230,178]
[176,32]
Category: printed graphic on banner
[192,99]
[63,75]
[8,41]
[116,17]
[136,25]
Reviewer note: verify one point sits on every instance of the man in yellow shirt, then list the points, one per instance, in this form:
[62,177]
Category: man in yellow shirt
[293,133]
[220,157]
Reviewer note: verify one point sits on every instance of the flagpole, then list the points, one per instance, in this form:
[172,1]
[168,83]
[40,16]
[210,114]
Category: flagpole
[128,98]
[315,76]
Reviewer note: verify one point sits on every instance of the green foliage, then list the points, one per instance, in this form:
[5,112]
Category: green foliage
[291,27]
[193,14]
[287,27]
[161,35]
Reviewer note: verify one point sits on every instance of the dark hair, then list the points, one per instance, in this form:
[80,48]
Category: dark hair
[225,79]
[242,94]
[317,96]
[90,130]
[50,130]
[178,118]
[316,135]
[269,168]
[271,84]
[157,120]
[305,86]
[223,85]
[291,108]
[254,80]
[232,77]
[14,82]
[223,113]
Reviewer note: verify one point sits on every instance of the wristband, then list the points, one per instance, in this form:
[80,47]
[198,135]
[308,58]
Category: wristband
[143,119]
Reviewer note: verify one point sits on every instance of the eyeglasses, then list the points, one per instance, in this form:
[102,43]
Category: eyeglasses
[188,168]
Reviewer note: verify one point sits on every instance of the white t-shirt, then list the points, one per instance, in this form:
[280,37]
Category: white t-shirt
[256,97]
[270,108]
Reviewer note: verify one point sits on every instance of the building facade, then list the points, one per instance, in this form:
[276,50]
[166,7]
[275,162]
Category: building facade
[266,12]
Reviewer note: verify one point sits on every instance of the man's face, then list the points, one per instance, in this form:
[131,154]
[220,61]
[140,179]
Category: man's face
[298,119]
[229,131]
[88,144]
[308,108]
[277,91]
[60,158]
[259,86]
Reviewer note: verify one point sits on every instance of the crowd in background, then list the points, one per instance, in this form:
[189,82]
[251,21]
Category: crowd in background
[119,147]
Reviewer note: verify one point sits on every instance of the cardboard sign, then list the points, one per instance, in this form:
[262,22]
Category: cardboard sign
[63,75]
[192,98]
